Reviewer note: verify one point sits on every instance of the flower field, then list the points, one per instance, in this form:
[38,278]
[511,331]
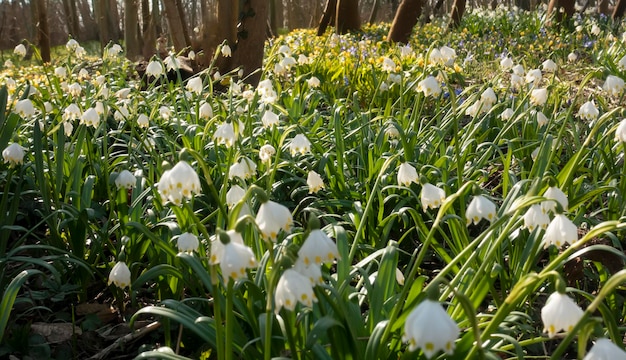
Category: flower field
[460,197]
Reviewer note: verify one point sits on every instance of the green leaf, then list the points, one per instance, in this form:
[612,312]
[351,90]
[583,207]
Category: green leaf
[8,298]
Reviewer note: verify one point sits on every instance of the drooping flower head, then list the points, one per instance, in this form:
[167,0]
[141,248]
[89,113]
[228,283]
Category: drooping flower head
[315,182]
[430,328]
[120,275]
[299,144]
[560,231]
[431,196]
[604,349]
[480,208]
[13,154]
[180,182]
[293,288]
[125,180]
[318,248]
[407,174]
[187,242]
[273,217]
[560,313]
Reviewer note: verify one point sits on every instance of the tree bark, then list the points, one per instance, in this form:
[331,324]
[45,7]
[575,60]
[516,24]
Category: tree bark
[456,14]
[348,16]
[69,8]
[618,11]
[556,5]
[175,25]
[374,12]
[43,34]
[328,18]
[90,26]
[103,22]
[273,19]
[114,21]
[131,30]
[405,19]
[249,53]
[228,12]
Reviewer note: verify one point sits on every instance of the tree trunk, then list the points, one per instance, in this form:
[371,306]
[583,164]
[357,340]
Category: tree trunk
[43,35]
[348,16]
[102,11]
[114,21]
[69,8]
[273,19]
[149,33]
[328,18]
[90,26]
[555,5]
[458,8]
[620,7]
[175,25]
[181,15]
[374,12]
[405,19]
[249,54]
[228,12]
[131,27]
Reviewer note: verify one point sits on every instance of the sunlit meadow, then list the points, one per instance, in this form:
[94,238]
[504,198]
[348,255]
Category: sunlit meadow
[459,197]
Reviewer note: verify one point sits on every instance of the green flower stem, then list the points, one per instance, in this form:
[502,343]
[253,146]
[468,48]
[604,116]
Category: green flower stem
[269,305]
[395,312]
[217,313]
[228,351]
[611,284]
[368,207]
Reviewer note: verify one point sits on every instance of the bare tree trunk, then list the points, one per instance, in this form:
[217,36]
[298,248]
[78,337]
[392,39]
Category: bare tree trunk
[114,21]
[273,18]
[555,5]
[90,26]
[102,17]
[348,16]
[175,25]
[43,35]
[228,11]
[603,7]
[328,18]
[618,11]
[406,17]
[69,8]
[131,30]
[374,12]
[181,15]
[249,54]
[458,8]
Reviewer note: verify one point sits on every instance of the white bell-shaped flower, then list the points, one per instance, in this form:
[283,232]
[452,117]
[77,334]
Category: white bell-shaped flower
[430,328]
[293,288]
[560,231]
[244,169]
[225,134]
[429,86]
[388,65]
[195,85]
[536,218]
[155,69]
[507,114]
[179,182]
[620,132]
[538,97]
[273,217]
[235,259]
[226,51]
[312,271]
[560,313]
[407,174]
[588,111]
[488,99]
[549,66]
[266,152]
[313,82]
[90,118]
[24,108]
[604,349]
[431,196]
[120,275]
[614,85]
[553,194]
[269,119]
[205,111]
[534,76]
[187,242]
[143,121]
[315,182]
[506,63]
[217,247]
[20,50]
[480,208]
[125,180]
[318,248]
[72,112]
[299,144]
[13,154]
